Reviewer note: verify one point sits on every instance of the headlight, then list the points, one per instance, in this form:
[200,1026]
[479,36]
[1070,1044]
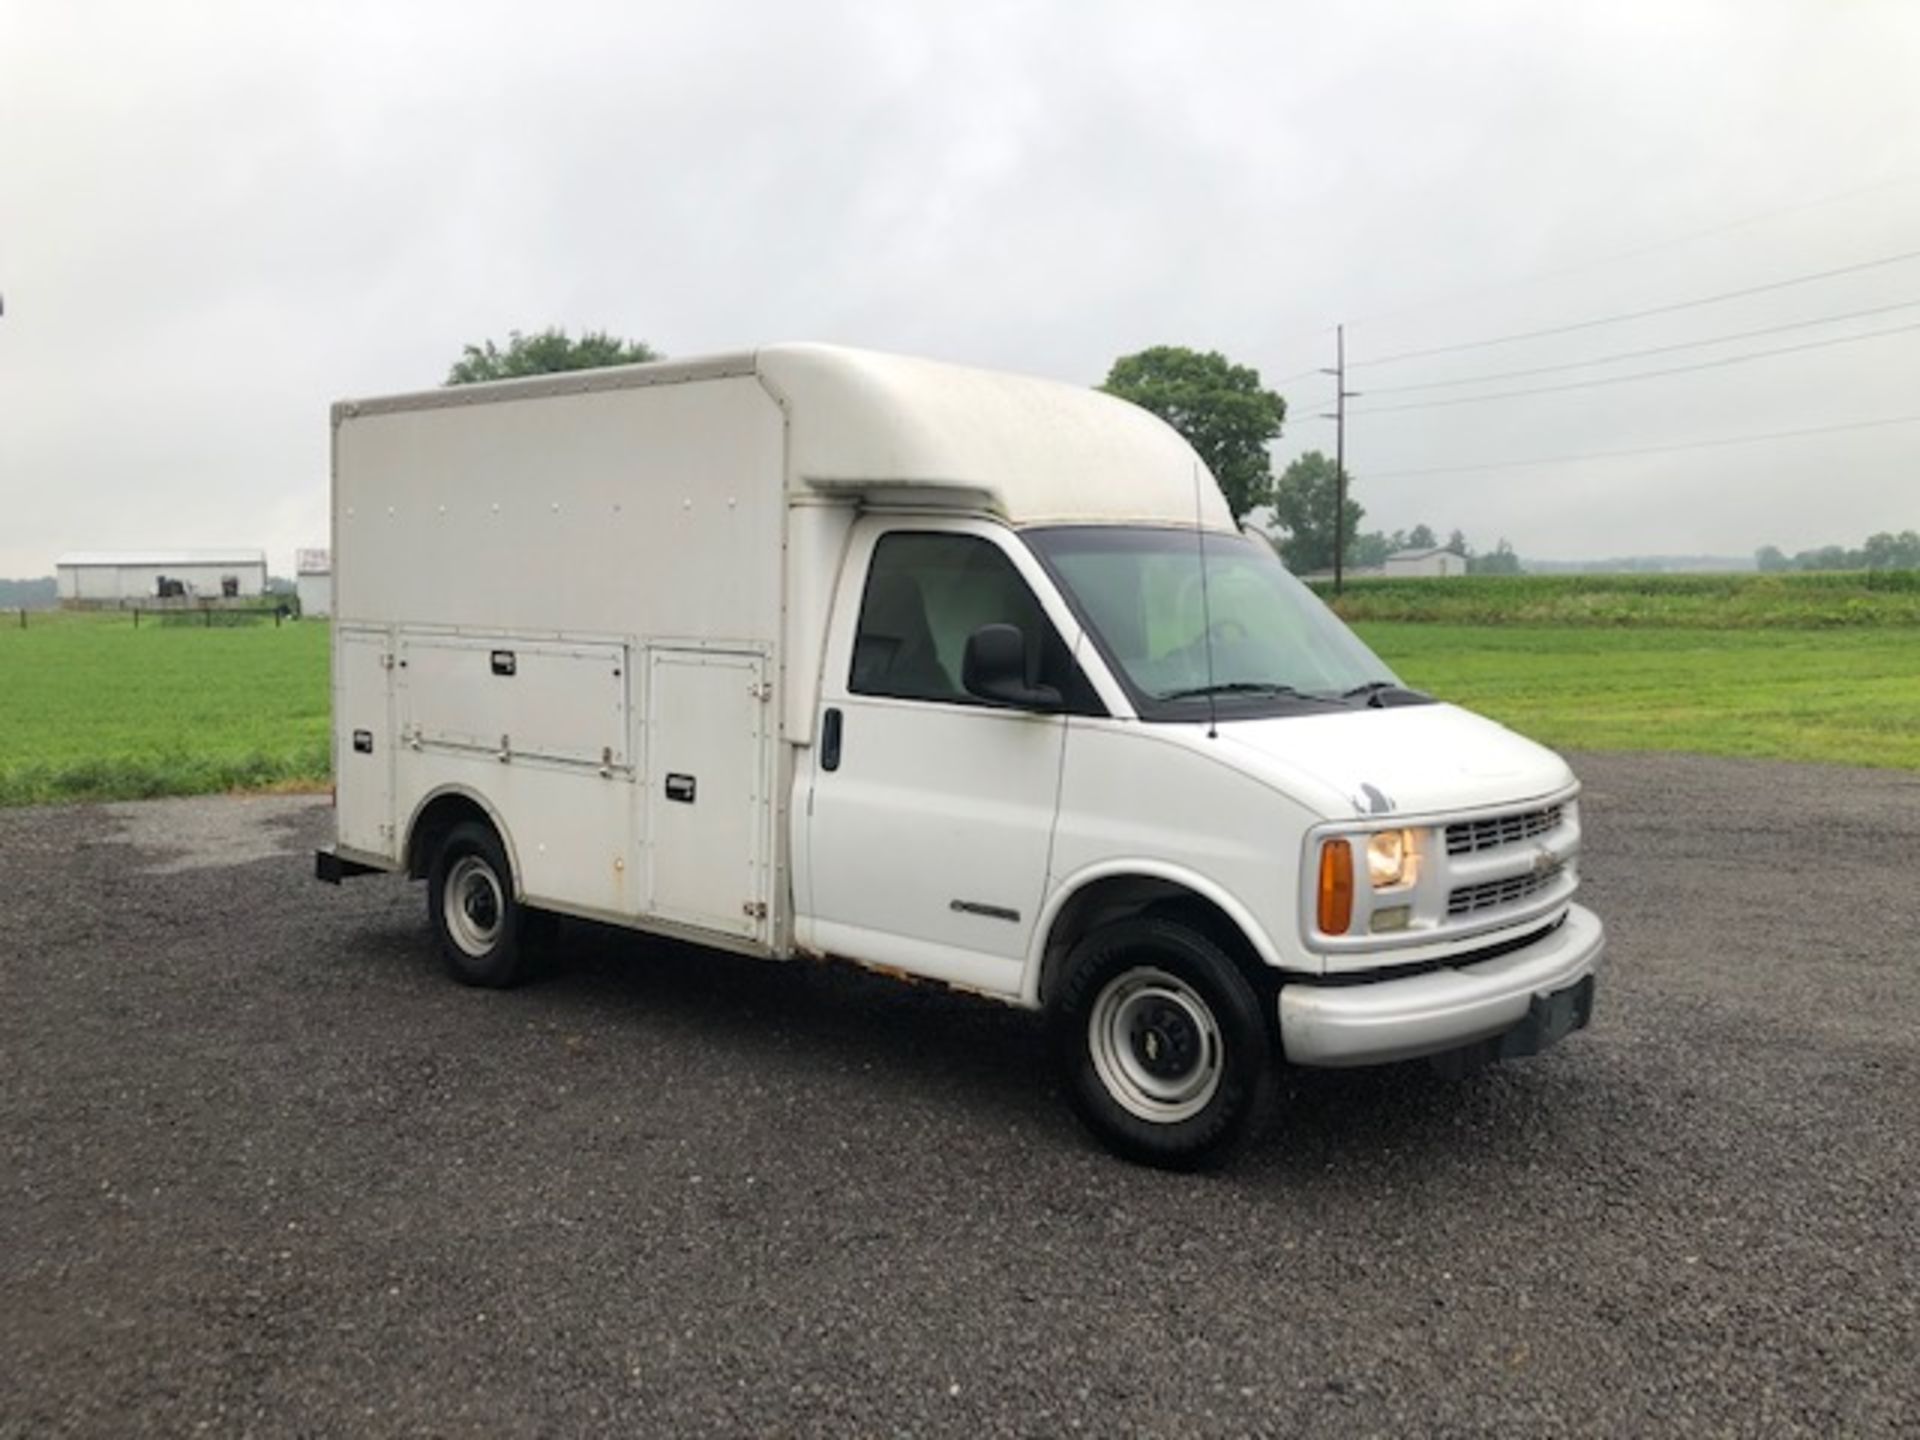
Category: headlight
[1392,859]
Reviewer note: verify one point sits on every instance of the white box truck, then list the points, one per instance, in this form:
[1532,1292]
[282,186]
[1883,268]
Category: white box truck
[964,676]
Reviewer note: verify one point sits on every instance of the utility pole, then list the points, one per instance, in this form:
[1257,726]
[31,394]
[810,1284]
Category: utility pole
[1339,417]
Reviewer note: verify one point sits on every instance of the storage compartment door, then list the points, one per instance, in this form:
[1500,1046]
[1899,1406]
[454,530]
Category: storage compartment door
[363,741]
[708,789]
[563,701]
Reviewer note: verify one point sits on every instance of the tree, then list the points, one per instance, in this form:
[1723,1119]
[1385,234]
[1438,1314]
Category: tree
[1421,537]
[1886,551]
[1457,543]
[1370,551]
[1501,560]
[1303,502]
[1771,557]
[1829,557]
[1218,406]
[544,353]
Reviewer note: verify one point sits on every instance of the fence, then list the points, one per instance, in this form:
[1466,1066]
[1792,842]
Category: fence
[203,616]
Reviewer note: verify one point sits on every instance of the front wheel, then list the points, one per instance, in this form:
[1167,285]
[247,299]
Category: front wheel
[484,933]
[1162,1044]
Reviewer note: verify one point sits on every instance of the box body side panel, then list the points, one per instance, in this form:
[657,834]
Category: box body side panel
[521,561]
[653,511]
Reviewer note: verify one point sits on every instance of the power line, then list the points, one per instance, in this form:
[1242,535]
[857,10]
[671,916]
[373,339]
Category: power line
[1580,267]
[1615,319]
[1307,374]
[1644,449]
[1641,354]
[1641,374]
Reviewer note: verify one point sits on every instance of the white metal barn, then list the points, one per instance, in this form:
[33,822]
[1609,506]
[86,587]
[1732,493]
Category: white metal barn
[313,582]
[129,577]
[1436,561]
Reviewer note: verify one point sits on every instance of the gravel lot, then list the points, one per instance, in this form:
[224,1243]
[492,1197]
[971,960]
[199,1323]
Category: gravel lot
[262,1170]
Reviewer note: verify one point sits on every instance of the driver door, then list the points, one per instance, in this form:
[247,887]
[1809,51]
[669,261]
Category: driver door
[930,814]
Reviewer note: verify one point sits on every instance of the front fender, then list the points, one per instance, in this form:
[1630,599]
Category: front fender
[1192,881]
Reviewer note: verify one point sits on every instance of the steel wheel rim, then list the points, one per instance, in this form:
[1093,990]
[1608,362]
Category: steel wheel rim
[1155,1045]
[474,906]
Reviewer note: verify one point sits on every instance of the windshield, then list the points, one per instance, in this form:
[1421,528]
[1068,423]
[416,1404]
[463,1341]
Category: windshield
[1275,648]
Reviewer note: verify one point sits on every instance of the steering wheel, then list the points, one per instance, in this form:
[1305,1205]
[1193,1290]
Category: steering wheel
[1227,631]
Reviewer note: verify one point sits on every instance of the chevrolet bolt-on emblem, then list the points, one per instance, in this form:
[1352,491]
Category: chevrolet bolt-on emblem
[1544,862]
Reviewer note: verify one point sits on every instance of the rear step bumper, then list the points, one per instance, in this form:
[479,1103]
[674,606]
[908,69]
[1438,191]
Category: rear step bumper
[332,865]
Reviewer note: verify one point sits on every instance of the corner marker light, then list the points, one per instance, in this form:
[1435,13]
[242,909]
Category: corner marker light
[1336,887]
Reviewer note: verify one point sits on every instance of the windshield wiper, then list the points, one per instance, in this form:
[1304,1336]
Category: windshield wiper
[1244,687]
[1376,691]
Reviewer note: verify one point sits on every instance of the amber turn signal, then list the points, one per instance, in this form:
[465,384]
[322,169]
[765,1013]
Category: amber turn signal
[1336,887]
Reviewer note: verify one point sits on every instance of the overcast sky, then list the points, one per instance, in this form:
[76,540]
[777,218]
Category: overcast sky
[216,219]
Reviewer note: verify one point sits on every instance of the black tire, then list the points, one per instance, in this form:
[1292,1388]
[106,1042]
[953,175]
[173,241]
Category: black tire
[486,937]
[1162,1044]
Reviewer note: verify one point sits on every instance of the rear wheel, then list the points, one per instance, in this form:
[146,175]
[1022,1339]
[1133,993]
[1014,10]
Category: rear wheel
[1162,1044]
[486,937]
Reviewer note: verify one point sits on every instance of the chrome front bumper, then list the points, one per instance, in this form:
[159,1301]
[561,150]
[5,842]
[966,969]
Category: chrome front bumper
[1375,1022]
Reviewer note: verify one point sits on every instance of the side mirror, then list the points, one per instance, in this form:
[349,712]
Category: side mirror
[994,667]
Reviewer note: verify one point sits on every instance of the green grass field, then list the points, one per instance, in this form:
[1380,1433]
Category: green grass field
[1850,696]
[92,708]
[1794,667]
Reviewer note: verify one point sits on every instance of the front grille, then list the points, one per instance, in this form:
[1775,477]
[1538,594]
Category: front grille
[1471,899]
[1464,837]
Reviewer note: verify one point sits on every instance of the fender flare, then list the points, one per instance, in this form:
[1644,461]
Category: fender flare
[494,818]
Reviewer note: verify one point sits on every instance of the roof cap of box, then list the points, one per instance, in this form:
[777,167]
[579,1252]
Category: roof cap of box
[1035,450]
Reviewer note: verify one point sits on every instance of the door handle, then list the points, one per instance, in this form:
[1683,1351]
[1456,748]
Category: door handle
[830,739]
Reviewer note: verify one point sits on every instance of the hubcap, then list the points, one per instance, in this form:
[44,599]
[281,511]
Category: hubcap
[473,905]
[1164,1039]
[1155,1045]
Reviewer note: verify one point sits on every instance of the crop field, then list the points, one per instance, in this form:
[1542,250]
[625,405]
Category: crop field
[1751,601]
[93,708]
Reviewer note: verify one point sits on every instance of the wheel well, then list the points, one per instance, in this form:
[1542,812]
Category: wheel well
[430,827]
[1122,897]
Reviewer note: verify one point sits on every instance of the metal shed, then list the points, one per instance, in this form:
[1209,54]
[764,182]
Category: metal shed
[1437,560]
[109,578]
[313,582]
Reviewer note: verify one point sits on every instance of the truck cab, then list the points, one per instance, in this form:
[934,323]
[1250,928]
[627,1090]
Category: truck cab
[962,676]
